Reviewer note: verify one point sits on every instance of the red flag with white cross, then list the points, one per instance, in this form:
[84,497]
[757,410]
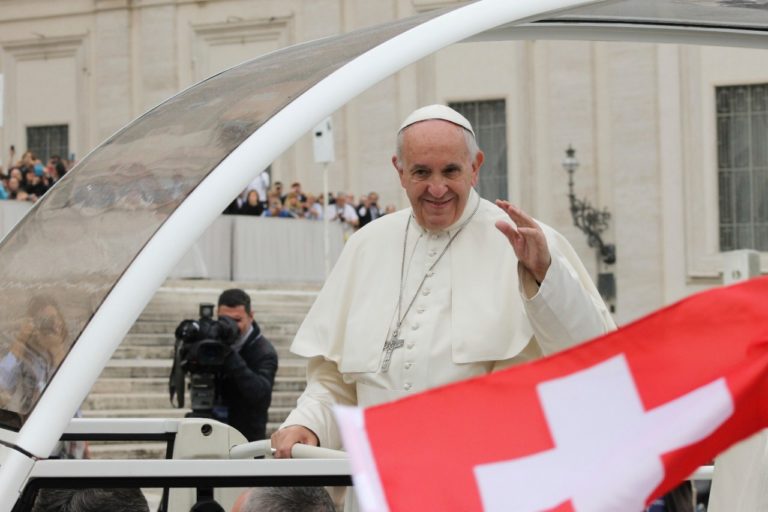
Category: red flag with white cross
[608,425]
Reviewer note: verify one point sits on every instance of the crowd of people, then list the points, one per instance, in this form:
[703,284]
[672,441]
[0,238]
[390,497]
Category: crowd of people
[261,200]
[28,178]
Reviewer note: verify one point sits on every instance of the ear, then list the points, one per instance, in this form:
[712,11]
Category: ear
[398,167]
[476,164]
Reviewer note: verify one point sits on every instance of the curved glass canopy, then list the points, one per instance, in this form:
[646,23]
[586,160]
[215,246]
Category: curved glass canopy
[63,258]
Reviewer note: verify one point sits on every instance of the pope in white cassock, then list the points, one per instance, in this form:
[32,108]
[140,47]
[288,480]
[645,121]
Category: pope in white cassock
[446,290]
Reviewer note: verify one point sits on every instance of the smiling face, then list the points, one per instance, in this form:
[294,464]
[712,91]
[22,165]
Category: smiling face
[437,172]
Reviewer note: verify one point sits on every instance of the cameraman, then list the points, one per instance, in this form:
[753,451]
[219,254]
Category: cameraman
[249,370]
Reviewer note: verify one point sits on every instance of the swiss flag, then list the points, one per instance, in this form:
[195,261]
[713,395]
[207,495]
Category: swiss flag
[608,425]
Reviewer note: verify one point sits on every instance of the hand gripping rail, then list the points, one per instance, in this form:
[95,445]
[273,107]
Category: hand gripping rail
[264,449]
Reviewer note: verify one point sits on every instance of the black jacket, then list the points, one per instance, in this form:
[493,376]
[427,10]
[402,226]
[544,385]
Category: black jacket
[246,385]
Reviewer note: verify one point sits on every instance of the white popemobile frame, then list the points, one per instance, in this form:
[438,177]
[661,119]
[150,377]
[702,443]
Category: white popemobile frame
[483,20]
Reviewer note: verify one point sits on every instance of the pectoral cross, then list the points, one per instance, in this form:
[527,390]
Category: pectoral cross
[390,346]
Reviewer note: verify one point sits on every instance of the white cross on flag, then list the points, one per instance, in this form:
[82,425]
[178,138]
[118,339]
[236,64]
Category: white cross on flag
[608,425]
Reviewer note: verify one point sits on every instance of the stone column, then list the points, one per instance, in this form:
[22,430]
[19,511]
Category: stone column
[112,91]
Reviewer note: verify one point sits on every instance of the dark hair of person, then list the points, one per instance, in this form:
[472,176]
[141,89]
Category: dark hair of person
[207,506]
[90,500]
[235,297]
[289,499]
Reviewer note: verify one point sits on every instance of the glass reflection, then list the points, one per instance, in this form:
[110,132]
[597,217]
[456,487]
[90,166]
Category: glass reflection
[34,354]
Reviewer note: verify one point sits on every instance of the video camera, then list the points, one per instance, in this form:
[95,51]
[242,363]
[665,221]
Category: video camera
[200,350]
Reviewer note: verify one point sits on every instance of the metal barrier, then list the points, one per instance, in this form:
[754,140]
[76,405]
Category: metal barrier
[242,248]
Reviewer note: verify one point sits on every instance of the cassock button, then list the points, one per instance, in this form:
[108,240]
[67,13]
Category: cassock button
[408,366]
[407,386]
[415,326]
[409,345]
[433,253]
[420,309]
[425,291]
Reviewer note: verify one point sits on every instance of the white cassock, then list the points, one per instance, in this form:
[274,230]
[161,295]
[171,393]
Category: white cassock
[475,313]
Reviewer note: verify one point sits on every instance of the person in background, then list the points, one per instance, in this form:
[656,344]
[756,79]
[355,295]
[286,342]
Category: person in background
[27,161]
[36,182]
[261,185]
[284,499]
[369,209]
[276,209]
[313,209]
[249,370]
[278,189]
[55,170]
[207,505]
[90,500]
[343,212]
[252,204]
[15,172]
[296,189]
[61,170]
[294,205]
[15,191]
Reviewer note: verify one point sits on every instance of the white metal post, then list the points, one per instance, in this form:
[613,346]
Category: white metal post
[324,154]
[326,234]
[740,474]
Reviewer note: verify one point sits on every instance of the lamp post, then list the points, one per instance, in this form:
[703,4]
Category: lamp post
[592,222]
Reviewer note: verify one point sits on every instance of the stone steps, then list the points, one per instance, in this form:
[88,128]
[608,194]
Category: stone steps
[123,368]
[168,326]
[136,400]
[275,325]
[160,385]
[166,352]
[168,340]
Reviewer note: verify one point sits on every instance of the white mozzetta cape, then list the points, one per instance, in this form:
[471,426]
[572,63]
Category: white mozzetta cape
[492,318]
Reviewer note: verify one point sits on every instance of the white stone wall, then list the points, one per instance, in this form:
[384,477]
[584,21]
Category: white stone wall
[640,116]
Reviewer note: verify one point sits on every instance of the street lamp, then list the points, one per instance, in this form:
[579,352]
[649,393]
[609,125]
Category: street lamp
[593,223]
[590,221]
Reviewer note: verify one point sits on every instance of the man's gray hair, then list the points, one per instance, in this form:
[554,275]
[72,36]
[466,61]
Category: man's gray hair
[288,499]
[469,139]
[90,500]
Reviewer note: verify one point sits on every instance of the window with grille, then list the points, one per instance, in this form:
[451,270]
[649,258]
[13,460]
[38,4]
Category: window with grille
[489,119]
[742,151]
[46,141]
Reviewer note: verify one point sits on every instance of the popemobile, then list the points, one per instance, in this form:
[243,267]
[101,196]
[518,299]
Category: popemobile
[121,219]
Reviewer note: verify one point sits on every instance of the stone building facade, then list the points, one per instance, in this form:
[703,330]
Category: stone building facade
[644,119]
